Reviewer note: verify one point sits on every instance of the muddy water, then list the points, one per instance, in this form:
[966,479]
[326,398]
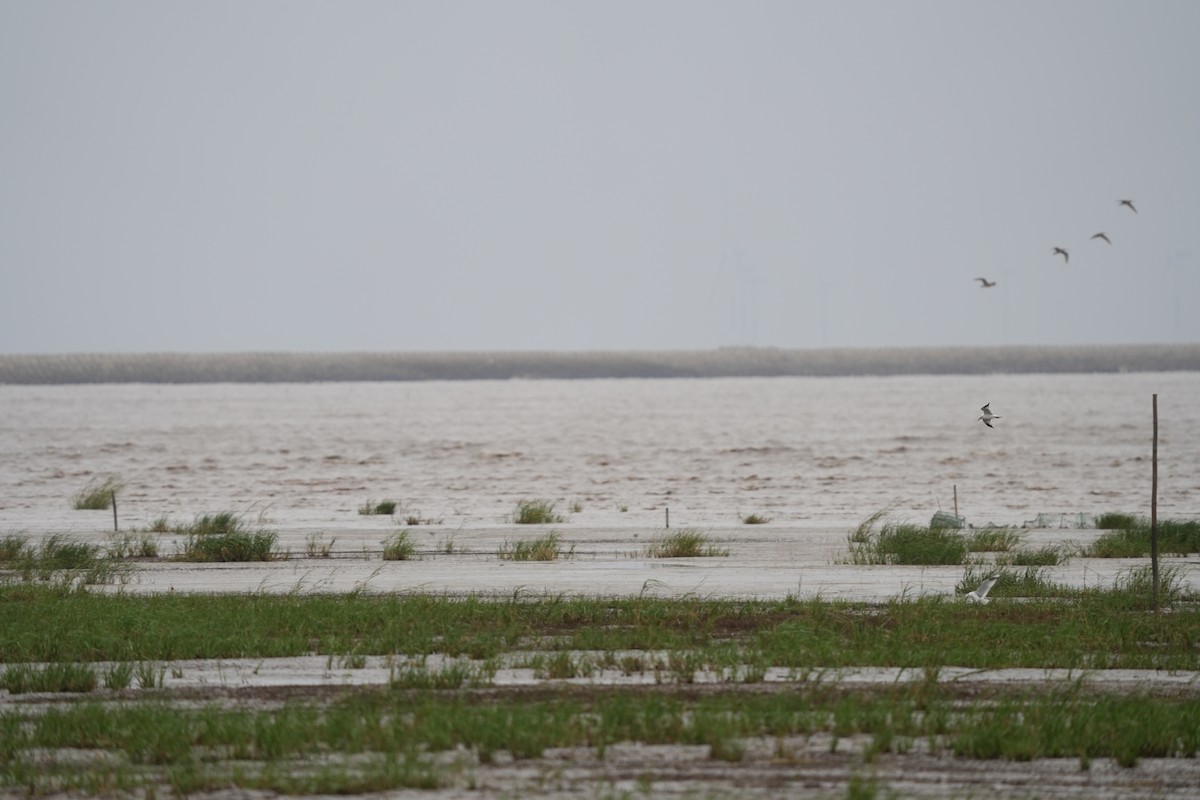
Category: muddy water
[823,452]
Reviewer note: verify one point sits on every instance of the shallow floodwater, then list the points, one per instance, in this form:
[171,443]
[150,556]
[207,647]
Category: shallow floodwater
[824,452]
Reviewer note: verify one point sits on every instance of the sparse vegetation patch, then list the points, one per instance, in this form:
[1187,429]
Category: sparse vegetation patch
[399,547]
[1127,536]
[536,512]
[544,548]
[225,537]
[382,508]
[685,543]
[97,495]
[903,543]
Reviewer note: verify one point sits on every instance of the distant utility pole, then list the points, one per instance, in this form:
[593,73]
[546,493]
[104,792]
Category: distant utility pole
[1154,506]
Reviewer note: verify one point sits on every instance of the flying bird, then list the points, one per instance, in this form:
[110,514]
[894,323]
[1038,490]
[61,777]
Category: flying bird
[988,416]
[1127,203]
[980,595]
[984,283]
[1058,251]
[1102,235]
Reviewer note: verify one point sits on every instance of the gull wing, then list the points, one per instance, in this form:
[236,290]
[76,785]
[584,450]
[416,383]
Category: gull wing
[986,586]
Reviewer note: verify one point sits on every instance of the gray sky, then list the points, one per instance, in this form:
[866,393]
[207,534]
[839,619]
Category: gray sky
[320,176]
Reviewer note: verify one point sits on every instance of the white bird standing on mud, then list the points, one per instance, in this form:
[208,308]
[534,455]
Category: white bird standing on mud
[980,595]
[987,416]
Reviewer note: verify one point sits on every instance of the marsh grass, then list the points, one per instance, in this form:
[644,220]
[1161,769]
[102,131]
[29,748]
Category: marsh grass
[755,519]
[160,524]
[1048,556]
[1126,536]
[414,519]
[1032,581]
[315,545]
[536,512]
[903,543]
[382,508]
[685,543]
[60,559]
[456,674]
[55,677]
[97,495]
[399,547]
[118,676]
[225,537]
[132,544]
[1134,589]
[254,747]
[544,548]
[993,540]
[1101,625]
[12,547]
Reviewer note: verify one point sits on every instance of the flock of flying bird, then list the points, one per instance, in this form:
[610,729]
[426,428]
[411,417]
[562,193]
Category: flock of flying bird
[984,283]
[980,593]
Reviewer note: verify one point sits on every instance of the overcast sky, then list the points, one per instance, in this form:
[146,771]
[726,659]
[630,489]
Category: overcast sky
[327,176]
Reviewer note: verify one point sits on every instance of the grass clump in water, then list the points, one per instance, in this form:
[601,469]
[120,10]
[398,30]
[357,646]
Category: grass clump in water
[1031,582]
[1049,556]
[97,496]
[132,545]
[315,545]
[382,508]
[544,548]
[59,558]
[536,512]
[902,543]
[57,677]
[755,519]
[993,540]
[1126,536]
[12,547]
[685,543]
[224,537]
[399,547]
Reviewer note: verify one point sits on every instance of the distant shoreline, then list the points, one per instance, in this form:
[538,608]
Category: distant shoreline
[723,362]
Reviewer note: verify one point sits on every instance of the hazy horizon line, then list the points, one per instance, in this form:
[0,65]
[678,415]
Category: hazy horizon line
[727,361]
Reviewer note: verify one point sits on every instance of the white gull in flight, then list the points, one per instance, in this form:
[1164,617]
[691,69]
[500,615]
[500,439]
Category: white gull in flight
[987,416]
[980,595]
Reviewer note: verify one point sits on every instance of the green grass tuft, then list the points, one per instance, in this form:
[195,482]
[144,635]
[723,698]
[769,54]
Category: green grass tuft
[1049,556]
[60,558]
[685,543]
[315,545]
[132,545]
[544,548]
[1126,536]
[12,547]
[382,508]
[536,512]
[755,519]
[993,540]
[399,547]
[224,537]
[97,496]
[902,543]
[57,677]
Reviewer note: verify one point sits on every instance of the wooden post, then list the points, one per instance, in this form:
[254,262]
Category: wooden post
[956,499]
[114,502]
[1154,505]
[668,516]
